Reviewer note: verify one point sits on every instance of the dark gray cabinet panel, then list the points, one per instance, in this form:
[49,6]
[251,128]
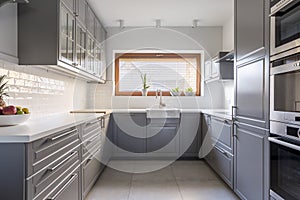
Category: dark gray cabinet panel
[249,19]
[190,139]
[251,162]
[252,93]
[130,132]
[8,33]
[158,138]
[12,171]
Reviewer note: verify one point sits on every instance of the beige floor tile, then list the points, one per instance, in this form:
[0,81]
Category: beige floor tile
[205,190]
[193,171]
[109,190]
[154,190]
[115,175]
[164,174]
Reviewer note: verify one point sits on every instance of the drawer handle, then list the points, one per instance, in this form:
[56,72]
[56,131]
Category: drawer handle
[87,161]
[62,162]
[73,177]
[220,150]
[91,123]
[63,135]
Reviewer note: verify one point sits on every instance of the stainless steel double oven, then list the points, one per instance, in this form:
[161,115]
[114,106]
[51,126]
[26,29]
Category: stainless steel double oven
[285,100]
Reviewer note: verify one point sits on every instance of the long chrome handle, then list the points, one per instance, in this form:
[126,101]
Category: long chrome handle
[220,150]
[91,123]
[73,177]
[63,135]
[285,144]
[62,162]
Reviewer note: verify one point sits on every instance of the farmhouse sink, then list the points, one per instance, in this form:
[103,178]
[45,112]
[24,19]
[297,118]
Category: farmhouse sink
[163,113]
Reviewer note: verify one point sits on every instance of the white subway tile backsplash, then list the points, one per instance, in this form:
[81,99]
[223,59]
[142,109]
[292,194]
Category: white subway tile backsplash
[43,92]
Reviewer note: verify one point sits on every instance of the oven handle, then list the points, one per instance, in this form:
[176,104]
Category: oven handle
[286,144]
[279,6]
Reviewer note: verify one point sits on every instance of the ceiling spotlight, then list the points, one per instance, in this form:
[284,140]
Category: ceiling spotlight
[121,22]
[158,23]
[195,23]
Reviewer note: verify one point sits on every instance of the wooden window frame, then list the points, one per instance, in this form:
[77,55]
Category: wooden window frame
[118,56]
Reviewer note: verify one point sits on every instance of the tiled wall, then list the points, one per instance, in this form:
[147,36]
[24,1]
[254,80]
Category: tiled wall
[42,91]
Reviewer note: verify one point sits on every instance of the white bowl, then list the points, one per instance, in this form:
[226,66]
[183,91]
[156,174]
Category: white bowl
[11,120]
[175,93]
[189,93]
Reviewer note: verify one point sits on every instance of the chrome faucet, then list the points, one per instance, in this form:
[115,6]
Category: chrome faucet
[161,104]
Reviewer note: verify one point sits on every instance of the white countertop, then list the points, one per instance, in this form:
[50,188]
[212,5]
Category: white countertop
[34,128]
[37,128]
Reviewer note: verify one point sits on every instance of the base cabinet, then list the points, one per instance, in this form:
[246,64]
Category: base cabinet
[251,161]
[69,188]
[222,162]
[190,135]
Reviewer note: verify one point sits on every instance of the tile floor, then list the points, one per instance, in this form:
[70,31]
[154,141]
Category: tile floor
[182,180]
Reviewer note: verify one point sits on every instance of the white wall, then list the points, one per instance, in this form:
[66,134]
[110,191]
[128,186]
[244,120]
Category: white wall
[228,35]
[208,39]
[41,91]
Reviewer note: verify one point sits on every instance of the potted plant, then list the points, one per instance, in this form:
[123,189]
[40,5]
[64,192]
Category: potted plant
[145,84]
[3,88]
[189,92]
[175,91]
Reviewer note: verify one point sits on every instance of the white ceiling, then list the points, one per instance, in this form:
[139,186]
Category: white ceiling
[171,12]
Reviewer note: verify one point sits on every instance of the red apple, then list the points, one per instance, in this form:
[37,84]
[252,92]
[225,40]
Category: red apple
[9,110]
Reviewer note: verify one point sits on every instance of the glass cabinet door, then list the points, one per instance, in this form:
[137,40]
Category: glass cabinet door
[67,39]
[97,67]
[90,53]
[81,46]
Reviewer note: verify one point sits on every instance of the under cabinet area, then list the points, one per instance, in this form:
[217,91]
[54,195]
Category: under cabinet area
[69,38]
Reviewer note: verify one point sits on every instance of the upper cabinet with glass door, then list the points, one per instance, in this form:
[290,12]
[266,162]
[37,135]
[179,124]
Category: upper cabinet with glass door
[67,44]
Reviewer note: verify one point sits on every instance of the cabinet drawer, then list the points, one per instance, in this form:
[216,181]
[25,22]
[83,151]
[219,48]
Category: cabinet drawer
[49,174]
[221,131]
[222,162]
[91,127]
[53,187]
[90,134]
[46,150]
[68,189]
[91,168]
[91,147]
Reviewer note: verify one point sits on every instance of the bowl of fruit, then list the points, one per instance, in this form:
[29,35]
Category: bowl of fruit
[13,115]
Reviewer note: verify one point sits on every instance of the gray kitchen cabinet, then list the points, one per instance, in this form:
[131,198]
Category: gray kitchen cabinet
[9,33]
[70,44]
[252,93]
[251,162]
[70,4]
[67,36]
[81,10]
[250,27]
[81,47]
[90,20]
[222,133]
[163,139]
[222,162]
[190,135]
[220,67]
[129,133]
[217,147]
[68,188]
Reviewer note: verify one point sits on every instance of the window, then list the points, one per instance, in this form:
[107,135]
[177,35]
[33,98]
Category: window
[164,71]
